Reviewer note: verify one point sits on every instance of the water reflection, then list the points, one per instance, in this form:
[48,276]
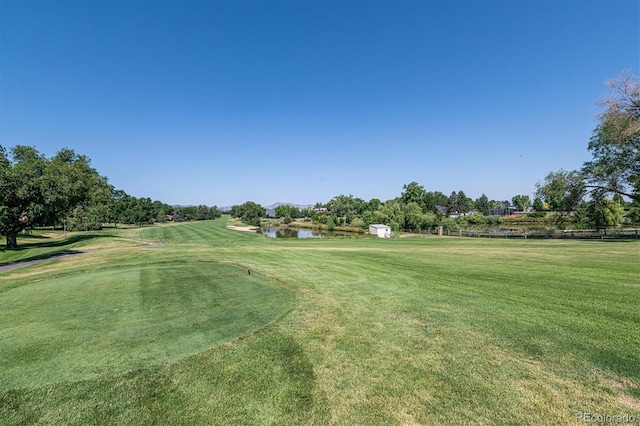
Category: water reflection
[291,233]
[278,232]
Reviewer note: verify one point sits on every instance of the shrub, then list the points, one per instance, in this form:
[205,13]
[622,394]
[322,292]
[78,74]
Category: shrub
[449,224]
[476,219]
[494,220]
[537,214]
[358,223]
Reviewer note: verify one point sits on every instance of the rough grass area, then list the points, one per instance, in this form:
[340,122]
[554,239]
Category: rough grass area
[402,331]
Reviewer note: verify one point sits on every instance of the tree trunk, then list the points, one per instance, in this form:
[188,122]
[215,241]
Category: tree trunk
[12,241]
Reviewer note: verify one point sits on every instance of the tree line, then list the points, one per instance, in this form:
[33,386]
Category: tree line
[415,208]
[603,193]
[66,191]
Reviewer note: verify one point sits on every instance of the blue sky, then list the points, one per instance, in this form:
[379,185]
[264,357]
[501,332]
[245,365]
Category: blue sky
[220,102]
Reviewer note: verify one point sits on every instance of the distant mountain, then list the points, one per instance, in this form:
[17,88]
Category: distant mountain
[272,207]
[298,206]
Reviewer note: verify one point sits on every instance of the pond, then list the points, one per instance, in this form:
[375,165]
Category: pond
[302,233]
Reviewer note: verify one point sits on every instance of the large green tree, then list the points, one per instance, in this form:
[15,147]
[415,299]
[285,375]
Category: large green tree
[390,213]
[345,208]
[249,212]
[413,193]
[600,213]
[35,190]
[434,199]
[562,190]
[459,203]
[413,216]
[483,205]
[615,143]
[634,212]
[521,202]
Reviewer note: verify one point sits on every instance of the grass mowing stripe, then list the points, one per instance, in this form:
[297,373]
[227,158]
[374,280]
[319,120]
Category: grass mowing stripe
[402,331]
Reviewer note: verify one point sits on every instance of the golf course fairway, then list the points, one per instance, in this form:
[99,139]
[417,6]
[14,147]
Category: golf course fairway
[216,326]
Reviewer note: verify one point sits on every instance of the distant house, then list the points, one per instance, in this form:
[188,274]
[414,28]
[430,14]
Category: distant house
[382,231]
[508,211]
[457,214]
[440,210]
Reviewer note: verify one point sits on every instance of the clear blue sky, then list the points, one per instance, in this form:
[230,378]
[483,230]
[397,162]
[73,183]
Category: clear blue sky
[220,102]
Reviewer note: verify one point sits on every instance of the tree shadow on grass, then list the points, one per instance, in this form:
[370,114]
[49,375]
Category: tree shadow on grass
[34,236]
[68,241]
[622,361]
[56,243]
[4,267]
[42,256]
[279,366]
[58,248]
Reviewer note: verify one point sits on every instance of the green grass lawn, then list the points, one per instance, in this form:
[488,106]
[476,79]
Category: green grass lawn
[324,331]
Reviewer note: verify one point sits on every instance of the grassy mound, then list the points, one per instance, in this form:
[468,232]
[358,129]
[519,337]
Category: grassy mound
[76,326]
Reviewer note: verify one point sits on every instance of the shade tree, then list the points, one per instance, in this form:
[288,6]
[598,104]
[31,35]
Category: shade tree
[600,213]
[521,202]
[615,149]
[36,190]
[615,142]
[562,191]
[249,213]
[413,193]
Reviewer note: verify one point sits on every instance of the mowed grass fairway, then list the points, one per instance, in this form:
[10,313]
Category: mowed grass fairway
[324,331]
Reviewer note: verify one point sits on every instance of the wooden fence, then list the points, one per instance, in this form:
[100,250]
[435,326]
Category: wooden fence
[593,234]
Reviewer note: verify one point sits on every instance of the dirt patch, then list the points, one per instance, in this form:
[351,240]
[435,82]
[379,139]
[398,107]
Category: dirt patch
[620,386]
[152,244]
[628,401]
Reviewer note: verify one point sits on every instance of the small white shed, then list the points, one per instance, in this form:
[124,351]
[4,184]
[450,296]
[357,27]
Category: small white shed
[382,231]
